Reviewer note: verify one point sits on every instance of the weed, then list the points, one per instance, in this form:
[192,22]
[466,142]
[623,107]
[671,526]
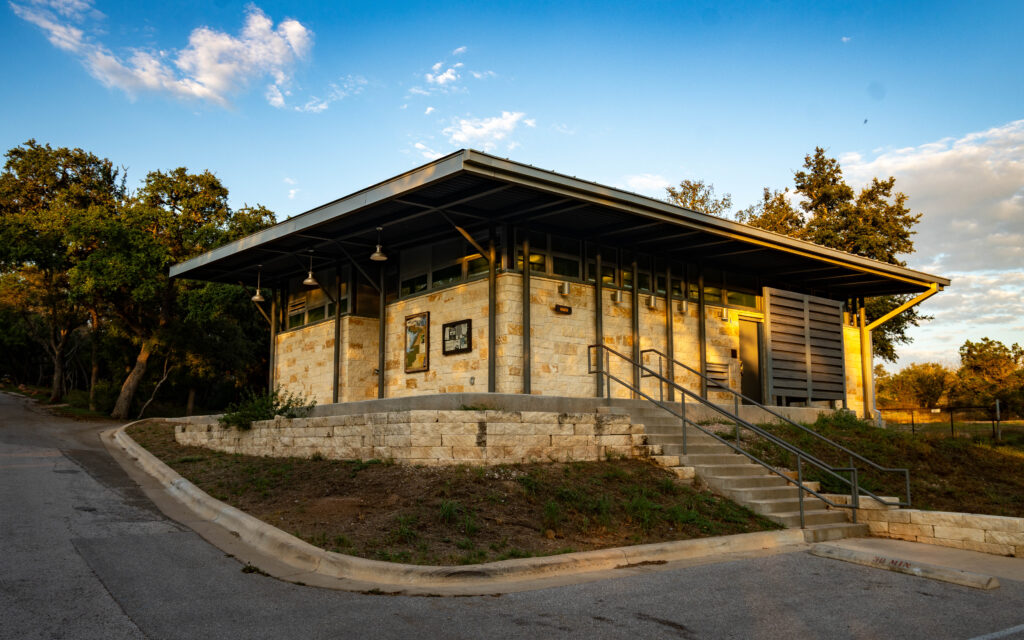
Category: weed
[317,457]
[251,568]
[614,474]
[465,544]
[553,515]
[474,407]
[342,541]
[530,483]
[643,511]
[514,553]
[449,510]
[474,557]
[406,531]
[469,525]
[668,486]
[188,459]
[265,406]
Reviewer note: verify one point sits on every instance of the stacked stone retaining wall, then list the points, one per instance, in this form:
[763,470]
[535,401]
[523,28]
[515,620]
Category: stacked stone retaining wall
[430,436]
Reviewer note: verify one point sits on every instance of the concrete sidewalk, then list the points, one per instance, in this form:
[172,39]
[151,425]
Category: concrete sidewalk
[973,561]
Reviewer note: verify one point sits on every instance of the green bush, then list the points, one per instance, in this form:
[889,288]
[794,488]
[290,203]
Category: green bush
[265,406]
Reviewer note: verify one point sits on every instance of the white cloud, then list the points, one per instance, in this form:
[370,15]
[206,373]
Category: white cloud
[448,77]
[845,39]
[429,111]
[290,181]
[971,192]
[419,92]
[347,86]
[563,129]
[459,51]
[426,151]
[213,66]
[292,193]
[485,133]
[648,184]
[481,75]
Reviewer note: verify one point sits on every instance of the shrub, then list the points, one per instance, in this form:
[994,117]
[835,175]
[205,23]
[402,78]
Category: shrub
[265,406]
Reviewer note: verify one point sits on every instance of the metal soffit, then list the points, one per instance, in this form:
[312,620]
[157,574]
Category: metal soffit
[476,190]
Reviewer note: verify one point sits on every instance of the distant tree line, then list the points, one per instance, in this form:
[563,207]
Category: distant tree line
[989,371]
[86,305]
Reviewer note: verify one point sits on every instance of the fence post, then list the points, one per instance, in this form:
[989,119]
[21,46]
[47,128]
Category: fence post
[999,426]
[913,427]
[952,430]
[682,412]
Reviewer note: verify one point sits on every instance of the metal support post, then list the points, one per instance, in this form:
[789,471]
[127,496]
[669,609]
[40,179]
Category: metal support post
[800,487]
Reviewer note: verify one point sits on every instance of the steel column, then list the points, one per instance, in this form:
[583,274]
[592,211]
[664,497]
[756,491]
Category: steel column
[527,354]
[670,350]
[599,320]
[702,333]
[865,363]
[381,336]
[337,332]
[635,301]
[273,339]
[492,321]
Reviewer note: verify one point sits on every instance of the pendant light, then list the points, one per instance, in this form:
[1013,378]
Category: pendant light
[310,281]
[378,255]
[259,296]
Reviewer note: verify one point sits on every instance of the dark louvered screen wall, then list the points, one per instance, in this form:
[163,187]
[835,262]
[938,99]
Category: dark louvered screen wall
[805,346]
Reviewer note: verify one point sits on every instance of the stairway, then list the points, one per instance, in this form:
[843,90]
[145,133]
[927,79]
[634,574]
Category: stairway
[735,476]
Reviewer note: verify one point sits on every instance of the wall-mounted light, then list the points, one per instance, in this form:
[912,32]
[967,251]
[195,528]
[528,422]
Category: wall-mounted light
[379,255]
[725,314]
[652,302]
[563,288]
[259,296]
[684,306]
[310,281]
[617,296]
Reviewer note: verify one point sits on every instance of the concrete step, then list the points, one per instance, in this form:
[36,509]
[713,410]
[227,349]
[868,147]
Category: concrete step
[677,449]
[836,531]
[749,494]
[791,519]
[784,505]
[739,468]
[704,459]
[743,482]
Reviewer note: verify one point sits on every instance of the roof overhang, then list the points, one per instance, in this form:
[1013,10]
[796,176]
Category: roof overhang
[477,190]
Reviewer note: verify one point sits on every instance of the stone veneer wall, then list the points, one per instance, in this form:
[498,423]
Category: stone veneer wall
[430,437]
[999,535]
[854,372]
[559,345]
[304,363]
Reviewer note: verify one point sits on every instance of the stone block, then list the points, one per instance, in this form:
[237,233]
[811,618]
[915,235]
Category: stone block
[903,530]
[901,516]
[959,533]
[944,518]
[560,442]
[943,542]
[460,428]
[582,429]
[684,473]
[430,453]
[404,440]
[502,416]
[993,523]
[460,416]
[539,417]
[988,547]
[462,441]
[468,454]
[617,441]
[509,428]
[577,418]
[880,529]
[1004,537]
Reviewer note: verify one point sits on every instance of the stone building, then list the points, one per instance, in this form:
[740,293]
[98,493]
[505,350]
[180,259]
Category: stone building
[478,274]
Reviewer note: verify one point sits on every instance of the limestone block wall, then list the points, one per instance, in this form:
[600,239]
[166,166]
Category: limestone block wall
[999,535]
[854,374]
[303,364]
[723,337]
[618,336]
[430,437]
[509,341]
[559,341]
[447,374]
[652,335]
[359,358]
[685,336]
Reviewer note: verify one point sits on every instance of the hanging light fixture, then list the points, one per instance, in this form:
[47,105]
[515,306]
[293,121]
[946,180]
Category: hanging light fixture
[310,281]
[259,296]
[378,255]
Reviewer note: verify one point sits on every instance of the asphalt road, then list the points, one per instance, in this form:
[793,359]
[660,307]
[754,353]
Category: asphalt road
[84,554]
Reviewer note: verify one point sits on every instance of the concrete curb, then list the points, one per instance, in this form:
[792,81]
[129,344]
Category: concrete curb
[909,567]
[482,578]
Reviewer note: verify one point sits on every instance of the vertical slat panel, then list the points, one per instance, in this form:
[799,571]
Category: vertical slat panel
[804,340]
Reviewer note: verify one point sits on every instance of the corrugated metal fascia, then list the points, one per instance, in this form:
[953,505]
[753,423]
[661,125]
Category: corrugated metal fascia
[413,179]
[503,169]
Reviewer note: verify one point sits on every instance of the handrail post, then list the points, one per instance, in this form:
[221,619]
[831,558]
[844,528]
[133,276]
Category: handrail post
[855,489]
[906,475]
[800,487]
[682,412]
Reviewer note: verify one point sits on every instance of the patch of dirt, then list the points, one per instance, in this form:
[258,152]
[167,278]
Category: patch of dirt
[456,514]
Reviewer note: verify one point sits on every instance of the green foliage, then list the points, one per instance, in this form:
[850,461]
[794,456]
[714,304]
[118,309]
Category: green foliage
[449,510]
[553,515]
[916,385]
[990,370]
[697,195]
[265,406]
[774,213]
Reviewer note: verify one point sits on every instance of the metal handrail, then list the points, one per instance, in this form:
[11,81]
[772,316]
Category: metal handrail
[801,456]
[739,396]
[854,494]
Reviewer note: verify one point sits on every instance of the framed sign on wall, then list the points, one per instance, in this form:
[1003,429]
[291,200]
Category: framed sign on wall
[417,342]
[457,337]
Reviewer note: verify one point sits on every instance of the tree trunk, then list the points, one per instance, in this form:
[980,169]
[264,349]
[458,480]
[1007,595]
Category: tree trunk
[190,404]
[131,383]
[94,374]
[58,345]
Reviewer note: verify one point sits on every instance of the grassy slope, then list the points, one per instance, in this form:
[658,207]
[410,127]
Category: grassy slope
[972,475]
[451,515]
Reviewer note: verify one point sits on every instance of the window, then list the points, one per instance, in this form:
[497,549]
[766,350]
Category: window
[307,305]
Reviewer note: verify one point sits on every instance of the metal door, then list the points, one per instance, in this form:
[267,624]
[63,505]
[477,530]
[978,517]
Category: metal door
[750,359]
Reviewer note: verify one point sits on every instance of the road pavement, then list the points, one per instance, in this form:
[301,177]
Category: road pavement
[84,554]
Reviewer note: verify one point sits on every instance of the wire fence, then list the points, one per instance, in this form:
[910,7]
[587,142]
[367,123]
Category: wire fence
[953,422]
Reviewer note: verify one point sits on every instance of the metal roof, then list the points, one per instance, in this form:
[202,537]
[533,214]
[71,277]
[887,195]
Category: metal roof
[476,190]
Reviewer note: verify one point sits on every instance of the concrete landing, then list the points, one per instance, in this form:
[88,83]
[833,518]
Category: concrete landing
[974,561]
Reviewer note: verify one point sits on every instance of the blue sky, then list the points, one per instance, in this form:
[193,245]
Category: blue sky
[295,104]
